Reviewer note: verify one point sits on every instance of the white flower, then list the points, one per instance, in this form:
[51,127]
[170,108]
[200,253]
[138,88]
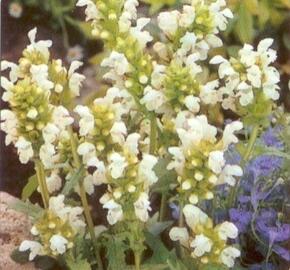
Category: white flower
[187,17]
[129,14]
[229,136]
[145,169]
[24,149]
[142,206]
[227,230]
[254,75]
[91,11]
[117,165]
[188,42]
[271,92]
[209,94]
[56,205]
[216,161]
[14,70]
[246,97]
[168,22]
[191,63]
[9,126]
[157,76]
[88,152]
[192,103]
[34,247]
[40,46]
[53,182]
[194,216]
[131,143]
[201,245]
[61,117]
[58,244]
[118,132]
[39,74]
[99,176]
[152,99]
[15,10]
[75,79]
[179,234]
[118,62]
[66,213]
[228,256]
[228,173]
[48,155]
[87,121]
[178,160]
[195,130]
[143,37]
[115,212]
[74,217]
[220,16]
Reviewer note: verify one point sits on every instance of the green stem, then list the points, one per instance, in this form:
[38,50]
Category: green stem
[180,251]
[137,260]
[163,205]
[246,157]
[84,201]
[153,134]
[40,174]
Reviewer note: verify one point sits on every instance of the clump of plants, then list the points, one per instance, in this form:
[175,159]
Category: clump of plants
[185,186]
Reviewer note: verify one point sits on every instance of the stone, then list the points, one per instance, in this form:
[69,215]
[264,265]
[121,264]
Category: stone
[14,228]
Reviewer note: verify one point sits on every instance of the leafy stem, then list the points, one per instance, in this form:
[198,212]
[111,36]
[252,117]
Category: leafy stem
[84,200]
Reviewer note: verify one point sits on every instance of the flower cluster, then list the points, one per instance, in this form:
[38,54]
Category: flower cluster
[250,78]
[206,242]
[55,229]
[199,161]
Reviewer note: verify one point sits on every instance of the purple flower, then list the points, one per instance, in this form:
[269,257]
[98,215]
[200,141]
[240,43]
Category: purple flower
[264,165]
[262,266]
[271,138]
[240,218]
[282,252]
[175,210]
[271,229]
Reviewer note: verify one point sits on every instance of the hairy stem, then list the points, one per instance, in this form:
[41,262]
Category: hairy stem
[40,174]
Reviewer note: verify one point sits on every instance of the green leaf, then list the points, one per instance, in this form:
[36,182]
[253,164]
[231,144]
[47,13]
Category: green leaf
[165,177]
[160,253]
[46,263]
[78,264]
[32,210]
[214,267]
[177,265]
[244,26]
[73,181]
[155,227]
[30,187]
[116,248]
[19,256]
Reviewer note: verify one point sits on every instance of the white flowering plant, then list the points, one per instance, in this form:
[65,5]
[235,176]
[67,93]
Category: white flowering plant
[156,140]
